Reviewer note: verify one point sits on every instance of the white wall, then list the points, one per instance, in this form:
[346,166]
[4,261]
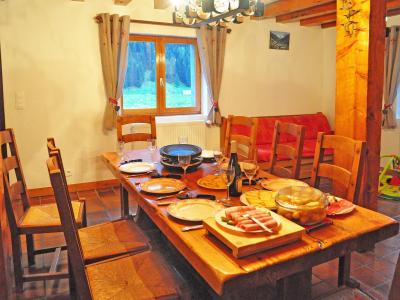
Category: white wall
[51,54]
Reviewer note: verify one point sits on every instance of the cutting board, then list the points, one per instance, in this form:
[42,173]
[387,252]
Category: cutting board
[244,244]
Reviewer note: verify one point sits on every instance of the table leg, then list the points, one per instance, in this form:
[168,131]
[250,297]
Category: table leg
[344,272]
[296,286]
[124,202]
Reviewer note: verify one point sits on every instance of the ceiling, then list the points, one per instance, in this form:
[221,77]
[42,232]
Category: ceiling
[312,12]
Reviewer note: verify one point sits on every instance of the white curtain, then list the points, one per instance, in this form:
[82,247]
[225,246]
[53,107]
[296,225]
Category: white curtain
[212,53]
[392,78]
[114,38]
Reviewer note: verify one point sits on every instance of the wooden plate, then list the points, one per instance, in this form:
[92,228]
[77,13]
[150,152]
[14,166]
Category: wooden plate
[279,183]
[259,198]
[194,210]
[212,182]
[162,186]
[137,167]
[233,228]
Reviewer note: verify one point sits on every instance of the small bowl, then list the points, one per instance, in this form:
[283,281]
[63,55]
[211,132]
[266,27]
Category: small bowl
[303,205]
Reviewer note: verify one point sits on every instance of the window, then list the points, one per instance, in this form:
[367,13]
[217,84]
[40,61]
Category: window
[163,76]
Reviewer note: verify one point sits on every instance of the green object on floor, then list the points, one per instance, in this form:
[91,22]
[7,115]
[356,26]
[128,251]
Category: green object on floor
[387,190]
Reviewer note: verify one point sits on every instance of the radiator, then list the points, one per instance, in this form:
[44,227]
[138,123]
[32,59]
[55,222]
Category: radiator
[168,133]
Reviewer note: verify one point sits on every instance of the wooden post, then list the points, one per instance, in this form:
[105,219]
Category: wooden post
[360,47]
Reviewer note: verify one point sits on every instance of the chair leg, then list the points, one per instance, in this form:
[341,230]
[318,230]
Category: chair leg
[72,285]
[30,249]
[18,268]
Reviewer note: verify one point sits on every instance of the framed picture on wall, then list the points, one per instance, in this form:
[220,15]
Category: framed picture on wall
[279,40]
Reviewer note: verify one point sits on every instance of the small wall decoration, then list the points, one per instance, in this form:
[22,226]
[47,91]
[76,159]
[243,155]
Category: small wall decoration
[350,25]
[279,40]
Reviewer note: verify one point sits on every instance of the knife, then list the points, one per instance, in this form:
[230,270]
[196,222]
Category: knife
[257,222]
[187,228]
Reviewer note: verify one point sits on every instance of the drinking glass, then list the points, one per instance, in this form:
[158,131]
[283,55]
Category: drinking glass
[121,151]
[250,169]
[219,157]
[183,140]
[184,162]
[228,175]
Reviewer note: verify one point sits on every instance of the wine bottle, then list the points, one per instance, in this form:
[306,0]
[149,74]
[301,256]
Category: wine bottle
[235,189]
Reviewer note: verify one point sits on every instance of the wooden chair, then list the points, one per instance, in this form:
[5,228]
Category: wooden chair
[289,151]
[140,276]
[30,219]
[134,137]
[246,143]
[106,240]
[346,177]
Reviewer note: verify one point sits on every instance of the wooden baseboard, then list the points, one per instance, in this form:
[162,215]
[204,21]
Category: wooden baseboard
[76,187]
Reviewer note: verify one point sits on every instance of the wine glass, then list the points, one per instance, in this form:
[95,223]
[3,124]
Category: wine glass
[219,157]
[121,151]
[184,162]
[152,147]
[182,139]
[250,169]
[228,175]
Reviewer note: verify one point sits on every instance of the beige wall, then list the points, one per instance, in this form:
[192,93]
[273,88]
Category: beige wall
[51,55]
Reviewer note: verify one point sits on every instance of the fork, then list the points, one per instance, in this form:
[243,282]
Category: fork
[168,196]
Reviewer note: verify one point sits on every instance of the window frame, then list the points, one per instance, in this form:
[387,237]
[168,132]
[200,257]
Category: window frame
[161,109]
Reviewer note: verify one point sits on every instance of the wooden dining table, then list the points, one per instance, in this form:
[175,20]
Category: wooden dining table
[288,267]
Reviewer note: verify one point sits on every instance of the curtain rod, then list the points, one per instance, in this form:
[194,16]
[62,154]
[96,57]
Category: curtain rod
[98,20]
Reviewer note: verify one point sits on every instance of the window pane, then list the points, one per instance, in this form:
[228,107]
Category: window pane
[140,82]
[180,75]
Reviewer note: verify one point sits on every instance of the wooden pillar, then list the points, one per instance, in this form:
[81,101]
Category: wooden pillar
[360,47]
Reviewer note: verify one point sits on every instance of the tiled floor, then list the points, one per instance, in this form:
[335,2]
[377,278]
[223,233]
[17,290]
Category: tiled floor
[374,269]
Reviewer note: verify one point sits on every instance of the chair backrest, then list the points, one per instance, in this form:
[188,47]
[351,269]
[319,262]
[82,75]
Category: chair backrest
[52,149]
[347,177]
[292,151]
[243,141]
[69,226]
[139,119]
[13,177]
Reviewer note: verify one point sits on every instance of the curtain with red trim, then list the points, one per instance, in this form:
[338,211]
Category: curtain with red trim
[392,78]
[211,44]
[114,38]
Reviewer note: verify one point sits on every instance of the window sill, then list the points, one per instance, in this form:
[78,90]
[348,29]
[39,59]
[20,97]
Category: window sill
[180,119]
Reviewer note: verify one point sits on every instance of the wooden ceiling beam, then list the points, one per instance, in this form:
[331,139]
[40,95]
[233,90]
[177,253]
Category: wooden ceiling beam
[393,4]
[328,25]
[318,20]
[122,2]
[308,12]
[286,6]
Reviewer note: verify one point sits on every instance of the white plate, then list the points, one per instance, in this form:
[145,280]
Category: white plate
[207,154]
[194,210]
[237,229]
[136,167]
[280,183]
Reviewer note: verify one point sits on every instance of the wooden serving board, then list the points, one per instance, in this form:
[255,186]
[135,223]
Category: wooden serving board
[244,244]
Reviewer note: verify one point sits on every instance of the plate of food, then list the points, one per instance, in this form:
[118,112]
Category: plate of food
[137,167]
[339,206]
[259,198]
[276,184]
[194,210]
[162,186]
[213,182]
[236,219]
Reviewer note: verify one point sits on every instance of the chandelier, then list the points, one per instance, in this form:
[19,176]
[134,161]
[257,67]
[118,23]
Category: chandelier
[194,13]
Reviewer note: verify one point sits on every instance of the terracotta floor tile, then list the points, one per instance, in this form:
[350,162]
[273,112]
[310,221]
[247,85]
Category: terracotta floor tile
[321,289]
[368,278]
[348,294]
[381,291]
[32,290]
[315,279]
[326,270]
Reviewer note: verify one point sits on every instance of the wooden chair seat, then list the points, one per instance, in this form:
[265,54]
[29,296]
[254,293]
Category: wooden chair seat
[111,239]
[47,216]
[141,276]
